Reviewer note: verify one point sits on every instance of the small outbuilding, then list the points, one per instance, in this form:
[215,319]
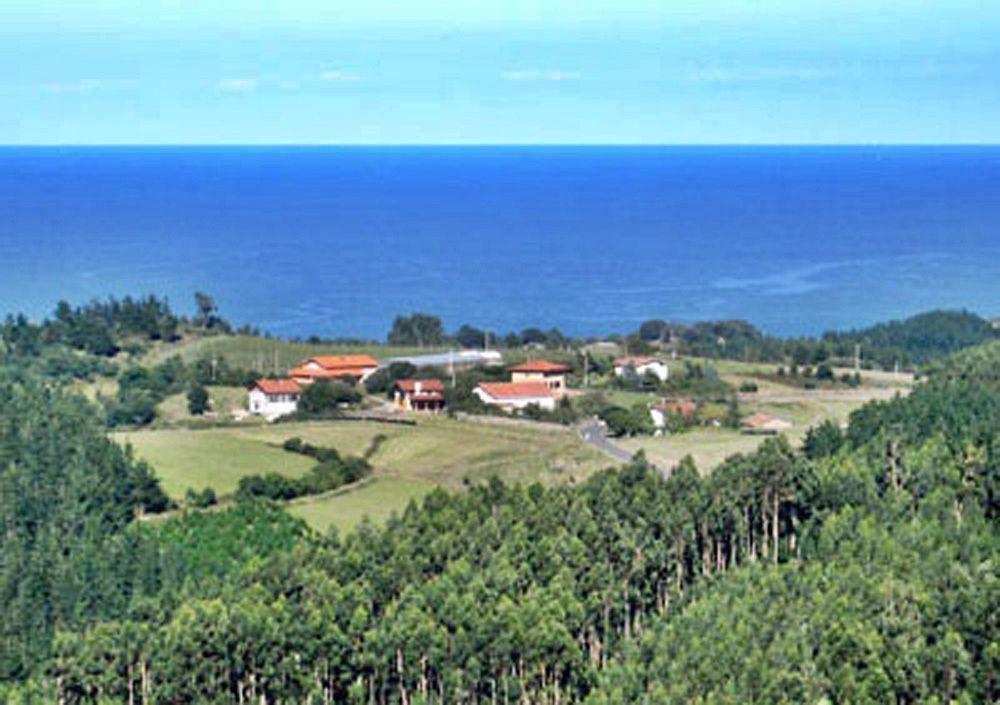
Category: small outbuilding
[764,424]
[272,398]
[659,413]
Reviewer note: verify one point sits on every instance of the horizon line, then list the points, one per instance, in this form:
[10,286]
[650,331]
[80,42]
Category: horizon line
[313,145]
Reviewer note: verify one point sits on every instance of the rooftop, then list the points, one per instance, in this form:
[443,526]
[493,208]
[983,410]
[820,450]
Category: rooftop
[515,390]
[540,366]
[278,386]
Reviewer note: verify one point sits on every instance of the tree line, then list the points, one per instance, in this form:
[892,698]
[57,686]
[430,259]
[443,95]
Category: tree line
[862,569]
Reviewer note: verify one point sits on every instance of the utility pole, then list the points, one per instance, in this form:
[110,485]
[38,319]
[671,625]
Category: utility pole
[857,357]
[451,366]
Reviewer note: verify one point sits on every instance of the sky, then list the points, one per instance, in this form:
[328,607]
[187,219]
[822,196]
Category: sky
[499,72]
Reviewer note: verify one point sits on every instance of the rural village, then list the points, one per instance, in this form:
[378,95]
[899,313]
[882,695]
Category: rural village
[439,416]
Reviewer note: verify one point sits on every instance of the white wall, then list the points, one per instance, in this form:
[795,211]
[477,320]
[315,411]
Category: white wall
[282,405]
[548,403]
[659,369]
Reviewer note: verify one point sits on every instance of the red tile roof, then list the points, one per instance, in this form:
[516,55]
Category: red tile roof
[515,390]
[540,366]
[426,385]
[278,386]
[304,373]
[331,362]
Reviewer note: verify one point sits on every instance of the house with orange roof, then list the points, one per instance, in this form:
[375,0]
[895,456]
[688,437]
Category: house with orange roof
[516,396]
[659,413]
[418,394]
[640,366]
[272,398]
[358,367]
[550,374]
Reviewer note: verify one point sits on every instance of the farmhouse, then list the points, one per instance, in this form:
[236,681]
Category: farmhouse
[272,398]
[359,367]
[659,413]
[419,394]
[764,423]
[640,366]
[515,396]
[550,374]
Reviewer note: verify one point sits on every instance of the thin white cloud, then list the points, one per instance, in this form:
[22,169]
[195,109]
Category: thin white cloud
[758,74]
[88,85]
[239,85]
[554,75]
[334,76]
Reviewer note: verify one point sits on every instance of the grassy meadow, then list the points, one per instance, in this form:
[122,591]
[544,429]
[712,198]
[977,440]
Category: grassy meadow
[412,461]
[267,355]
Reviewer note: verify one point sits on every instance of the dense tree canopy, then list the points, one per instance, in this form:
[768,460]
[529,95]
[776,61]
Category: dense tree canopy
[862,568]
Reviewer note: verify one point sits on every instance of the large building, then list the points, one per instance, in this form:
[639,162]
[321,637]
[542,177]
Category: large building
[272,398]
[516,396]
[357,367]
[550,374]
[419,394]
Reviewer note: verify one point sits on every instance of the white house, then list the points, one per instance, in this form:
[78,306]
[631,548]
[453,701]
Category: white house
[272,398]
[515,396]
[640,366]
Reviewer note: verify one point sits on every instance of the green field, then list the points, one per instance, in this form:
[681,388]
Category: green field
[216,457]
[710,446]
[437,452]
[224,401]
[376,500]
[266,355]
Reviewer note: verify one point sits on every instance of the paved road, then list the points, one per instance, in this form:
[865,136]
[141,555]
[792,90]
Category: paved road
[593,432]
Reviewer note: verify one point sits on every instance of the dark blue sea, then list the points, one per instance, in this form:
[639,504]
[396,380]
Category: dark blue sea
[337,241]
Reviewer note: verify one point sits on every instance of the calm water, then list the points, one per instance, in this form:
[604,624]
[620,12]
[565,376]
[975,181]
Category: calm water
[337,241]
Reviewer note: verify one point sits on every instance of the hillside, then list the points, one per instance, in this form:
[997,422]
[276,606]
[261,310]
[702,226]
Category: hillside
[861,570]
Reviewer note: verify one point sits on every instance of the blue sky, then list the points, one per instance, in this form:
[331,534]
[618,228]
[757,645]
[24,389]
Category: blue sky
[492,71]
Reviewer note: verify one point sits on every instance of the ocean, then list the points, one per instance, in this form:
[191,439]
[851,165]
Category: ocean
[338,241]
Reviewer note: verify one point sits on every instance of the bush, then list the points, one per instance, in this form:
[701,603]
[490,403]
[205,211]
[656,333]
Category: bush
[197,400]
[748,387]
[320,397]
[330,472]
[626,422]
[202,499]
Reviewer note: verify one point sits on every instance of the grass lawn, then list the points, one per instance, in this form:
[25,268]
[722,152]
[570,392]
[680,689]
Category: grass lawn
[437,452]
[710,446]
[263,354]
[216,457]
[224,399]
[376,500]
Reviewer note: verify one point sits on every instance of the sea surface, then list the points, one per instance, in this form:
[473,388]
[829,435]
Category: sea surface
[338,241]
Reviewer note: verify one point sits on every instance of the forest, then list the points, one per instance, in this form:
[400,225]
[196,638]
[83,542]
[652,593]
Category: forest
[861,568]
